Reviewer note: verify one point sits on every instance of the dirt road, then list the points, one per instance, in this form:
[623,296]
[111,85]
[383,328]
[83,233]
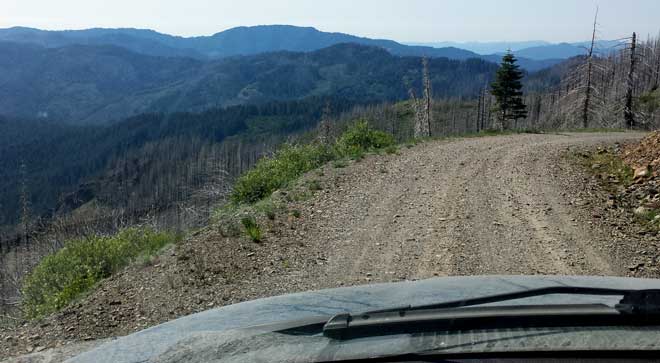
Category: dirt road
[495,205]
[490,205]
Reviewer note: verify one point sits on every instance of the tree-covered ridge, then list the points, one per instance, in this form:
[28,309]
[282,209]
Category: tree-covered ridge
[92,84]
[149,157]
[238,41]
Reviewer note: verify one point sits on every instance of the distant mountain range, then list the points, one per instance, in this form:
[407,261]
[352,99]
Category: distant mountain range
[93,84]
[238,41]
[536,50]
[484,48]
[97,75]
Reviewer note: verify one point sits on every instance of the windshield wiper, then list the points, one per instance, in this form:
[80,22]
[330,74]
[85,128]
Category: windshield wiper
[639,297]
[637,307]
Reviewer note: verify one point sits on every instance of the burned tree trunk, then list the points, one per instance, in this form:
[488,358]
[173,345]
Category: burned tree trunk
[488,104]
[656,82]
[24,198]
[325,129]
[480,110]
[416,105]
[427,98]
[587,98]
[422,107]
[629,113]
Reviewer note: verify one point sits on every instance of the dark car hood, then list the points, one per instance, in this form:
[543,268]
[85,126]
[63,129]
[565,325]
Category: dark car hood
[244,332]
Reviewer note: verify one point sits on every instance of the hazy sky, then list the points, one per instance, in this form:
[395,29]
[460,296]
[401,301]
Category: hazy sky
[402,20]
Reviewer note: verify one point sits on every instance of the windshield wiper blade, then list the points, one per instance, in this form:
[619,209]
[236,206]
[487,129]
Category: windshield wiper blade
[635,295]
[637,307]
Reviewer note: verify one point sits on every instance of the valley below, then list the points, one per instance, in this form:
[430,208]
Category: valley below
[499,205]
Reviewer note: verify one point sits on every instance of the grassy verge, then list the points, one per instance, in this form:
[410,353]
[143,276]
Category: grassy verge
[615,176]
[650,218]
[253,199]
[292,161]
[608,165]
[270,174]
[588,130]
[74,270]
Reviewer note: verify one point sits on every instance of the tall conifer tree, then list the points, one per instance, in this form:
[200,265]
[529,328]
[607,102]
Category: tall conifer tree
[507,89]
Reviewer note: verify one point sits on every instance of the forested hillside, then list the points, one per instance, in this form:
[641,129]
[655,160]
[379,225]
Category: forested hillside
[82,83]
[237,41]
[155,160]
[94,84]
[232,42]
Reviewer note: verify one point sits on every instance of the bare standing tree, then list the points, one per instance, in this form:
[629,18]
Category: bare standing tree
[628,113]
[25,205]
[422,107]
[480,103]
[325,128]
[427,97]
[416,106]
[588,89]
[656,51]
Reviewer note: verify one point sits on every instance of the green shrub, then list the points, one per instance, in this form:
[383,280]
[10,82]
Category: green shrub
[608,163]
[267,207]
[357,155]
[75,269]
[392,149]
[229,228]
[314,185]
[338,164]
[292,161]
[649,218]
[275,172]
[300,195]
[252,228]
[650,101]
[362,138]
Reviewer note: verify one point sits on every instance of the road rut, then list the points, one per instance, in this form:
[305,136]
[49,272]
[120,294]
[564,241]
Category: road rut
[495,205]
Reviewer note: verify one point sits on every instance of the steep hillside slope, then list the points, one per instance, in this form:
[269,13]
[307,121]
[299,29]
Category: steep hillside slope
[84,83]
[494,205]
[92,84]
[155,159]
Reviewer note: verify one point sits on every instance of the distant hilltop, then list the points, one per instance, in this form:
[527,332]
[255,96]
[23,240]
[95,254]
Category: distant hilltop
[243,41]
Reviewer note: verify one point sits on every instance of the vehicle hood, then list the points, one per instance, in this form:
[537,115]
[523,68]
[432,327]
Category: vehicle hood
[244,332]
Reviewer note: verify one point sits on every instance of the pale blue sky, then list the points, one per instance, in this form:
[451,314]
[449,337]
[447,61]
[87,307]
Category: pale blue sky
[401,20]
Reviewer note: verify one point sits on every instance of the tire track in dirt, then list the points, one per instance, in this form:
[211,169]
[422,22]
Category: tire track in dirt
[465,207]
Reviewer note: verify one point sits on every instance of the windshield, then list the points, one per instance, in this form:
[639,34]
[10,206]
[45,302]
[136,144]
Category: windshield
[164,158]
